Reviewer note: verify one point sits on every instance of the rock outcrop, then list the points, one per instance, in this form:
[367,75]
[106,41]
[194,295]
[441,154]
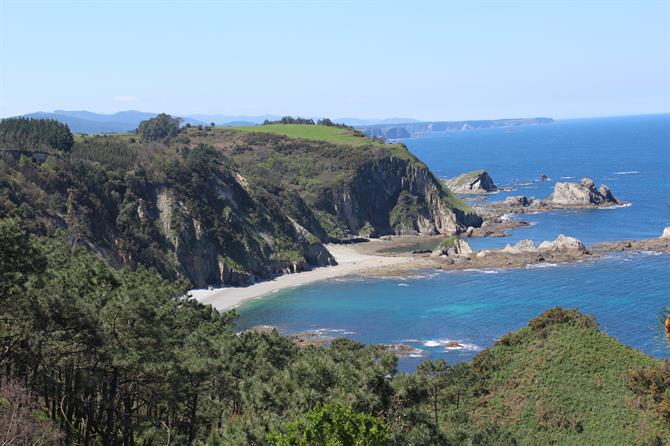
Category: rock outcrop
[666,233]
[582,194]
[475,182]
[452,247]
[562,243]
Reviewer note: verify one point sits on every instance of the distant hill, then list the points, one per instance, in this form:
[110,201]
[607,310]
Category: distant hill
[407,129]
[234,120]
[81,121]
[237,120]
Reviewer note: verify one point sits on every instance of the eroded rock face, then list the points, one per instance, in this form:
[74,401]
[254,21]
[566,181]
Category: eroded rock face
[583,194]
[396,196]
[475,182]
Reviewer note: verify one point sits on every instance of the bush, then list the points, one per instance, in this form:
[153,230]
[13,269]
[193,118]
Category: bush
[334,425]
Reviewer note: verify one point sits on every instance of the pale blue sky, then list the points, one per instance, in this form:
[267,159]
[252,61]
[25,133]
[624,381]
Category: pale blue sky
[425,59]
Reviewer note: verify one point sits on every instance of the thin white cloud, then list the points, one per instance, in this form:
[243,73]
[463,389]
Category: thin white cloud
[125,98]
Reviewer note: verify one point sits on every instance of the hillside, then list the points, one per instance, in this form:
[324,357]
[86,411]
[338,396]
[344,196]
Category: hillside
[350,184]
[110,354]
[562,381]
[228,206]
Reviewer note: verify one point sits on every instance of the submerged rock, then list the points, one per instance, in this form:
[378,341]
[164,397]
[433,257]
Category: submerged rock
[582,194]
[475,182]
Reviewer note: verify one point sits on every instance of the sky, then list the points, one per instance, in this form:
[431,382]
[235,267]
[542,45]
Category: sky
[425,59]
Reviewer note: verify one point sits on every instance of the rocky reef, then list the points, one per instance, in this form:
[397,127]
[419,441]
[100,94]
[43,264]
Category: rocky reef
[582,195]
[475,182]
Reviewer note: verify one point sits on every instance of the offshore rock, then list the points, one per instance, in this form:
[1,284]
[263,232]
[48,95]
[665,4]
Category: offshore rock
[475,182]
[582,194]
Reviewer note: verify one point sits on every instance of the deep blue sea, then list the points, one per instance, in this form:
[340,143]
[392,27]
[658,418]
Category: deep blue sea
[625,293]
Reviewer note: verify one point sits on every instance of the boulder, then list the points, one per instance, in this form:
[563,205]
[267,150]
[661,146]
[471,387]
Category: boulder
[564,244]
[475,182]
[582,194]
[666,233]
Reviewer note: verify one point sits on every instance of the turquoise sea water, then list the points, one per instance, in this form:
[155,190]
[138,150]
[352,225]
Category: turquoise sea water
[625,292]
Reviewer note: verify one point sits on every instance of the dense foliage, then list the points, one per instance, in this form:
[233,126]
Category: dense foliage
[290,120]
[35,134]
[116,357]
[160,127]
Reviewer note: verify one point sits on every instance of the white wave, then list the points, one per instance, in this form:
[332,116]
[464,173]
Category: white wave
[567,178]
[332,331]
[403,284]
[483,271]
[616,206]
[542,265]
[451,344]
[627,172]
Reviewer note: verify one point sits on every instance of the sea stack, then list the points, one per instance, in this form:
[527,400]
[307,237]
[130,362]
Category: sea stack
[582,194]
[475,182]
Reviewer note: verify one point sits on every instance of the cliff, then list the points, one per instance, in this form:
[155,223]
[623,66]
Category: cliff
[343,189]
[228,207]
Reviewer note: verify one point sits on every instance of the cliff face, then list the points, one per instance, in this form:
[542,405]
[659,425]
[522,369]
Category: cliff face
[194,219]
[396,196]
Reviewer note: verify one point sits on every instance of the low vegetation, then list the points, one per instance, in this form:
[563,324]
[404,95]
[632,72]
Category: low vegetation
[328,133]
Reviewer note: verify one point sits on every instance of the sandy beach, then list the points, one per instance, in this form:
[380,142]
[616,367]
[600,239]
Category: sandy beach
[350,259]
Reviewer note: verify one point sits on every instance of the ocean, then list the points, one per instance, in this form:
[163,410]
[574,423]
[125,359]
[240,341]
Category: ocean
[625,292]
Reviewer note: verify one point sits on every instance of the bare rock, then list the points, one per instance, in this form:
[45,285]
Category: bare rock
[475,182]
[582,194]
[563,243]
[666,233]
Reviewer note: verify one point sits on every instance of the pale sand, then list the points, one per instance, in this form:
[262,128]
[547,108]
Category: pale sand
[350,259]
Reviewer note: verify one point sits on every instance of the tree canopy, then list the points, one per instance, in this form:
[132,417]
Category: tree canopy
[160,127]
[35,134]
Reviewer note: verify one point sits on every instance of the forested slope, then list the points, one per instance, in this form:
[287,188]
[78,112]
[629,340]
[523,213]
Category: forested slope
[114,357]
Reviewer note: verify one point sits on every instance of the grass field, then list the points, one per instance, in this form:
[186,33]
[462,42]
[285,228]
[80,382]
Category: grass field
[314,132]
